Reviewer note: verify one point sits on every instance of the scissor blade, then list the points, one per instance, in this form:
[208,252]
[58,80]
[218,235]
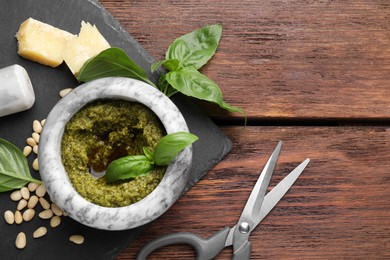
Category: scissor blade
[277,193]
[245,224]
[253,206]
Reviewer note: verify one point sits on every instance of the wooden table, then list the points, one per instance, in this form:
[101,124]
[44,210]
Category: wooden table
[315,74]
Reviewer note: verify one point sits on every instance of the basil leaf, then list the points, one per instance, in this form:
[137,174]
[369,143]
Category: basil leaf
[196,48]
[170,145]
[169,64]
[193,83]
[14,171]
[112,62]
[128,167]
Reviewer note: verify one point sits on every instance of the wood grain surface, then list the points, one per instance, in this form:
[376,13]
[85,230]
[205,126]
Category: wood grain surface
[315,74]
[337,209]
[295,59]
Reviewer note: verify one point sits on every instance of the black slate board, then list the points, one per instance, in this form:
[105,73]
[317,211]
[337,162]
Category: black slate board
[68,14]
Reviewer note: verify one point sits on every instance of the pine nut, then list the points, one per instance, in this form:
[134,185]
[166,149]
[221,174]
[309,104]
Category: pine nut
[40,232]
[46,214]
[25,193]
[32,186]
[9,217]
[41,190]
[35,164]
[65,92]
[16,195]
[31,142]
[18,217]
[43,122]
[55,221]
[35,149]
[21,240]
[77,239]
[27,150]
[22,204]
[37,127]
[32,202]
[36,137]
[56,210]
[28,214]
[44,203]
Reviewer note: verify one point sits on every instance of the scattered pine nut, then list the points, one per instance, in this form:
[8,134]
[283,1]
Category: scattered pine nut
[32,202]
[22,204]
[41,190]
[31,142]
[56,210]
[18,217]
[40,232]
[28,215]
[21,240]
[65,92]
[36,137]
[46,214]
[44,203]
[25,193]
[37,127]
[9,217]
[27,150]
[55,221]
[32,186]
[35,164]
[77,239]
[25,198]
[16,195]
[35,149]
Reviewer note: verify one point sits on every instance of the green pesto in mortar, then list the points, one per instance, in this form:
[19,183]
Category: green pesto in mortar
[103,131]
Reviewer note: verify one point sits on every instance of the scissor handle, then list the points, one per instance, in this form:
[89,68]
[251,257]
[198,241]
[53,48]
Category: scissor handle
[244,252]
[204,248]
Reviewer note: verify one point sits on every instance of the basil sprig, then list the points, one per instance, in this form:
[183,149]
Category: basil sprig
[183,59]
[138,165]
[14,171]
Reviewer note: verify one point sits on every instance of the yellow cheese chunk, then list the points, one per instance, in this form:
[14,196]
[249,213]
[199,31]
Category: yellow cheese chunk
[88,44]
[41,42]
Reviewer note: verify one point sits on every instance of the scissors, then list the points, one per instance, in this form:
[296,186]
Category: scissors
[257,207]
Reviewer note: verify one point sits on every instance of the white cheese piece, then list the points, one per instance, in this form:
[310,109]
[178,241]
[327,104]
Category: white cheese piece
[89,43]
[16,90]
[41,42]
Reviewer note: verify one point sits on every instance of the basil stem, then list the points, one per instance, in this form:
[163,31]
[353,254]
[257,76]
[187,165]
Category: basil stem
[14,171]
[148,153]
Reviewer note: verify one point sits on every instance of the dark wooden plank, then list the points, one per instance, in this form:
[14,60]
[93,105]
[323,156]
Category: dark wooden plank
[281,59]
[338,209]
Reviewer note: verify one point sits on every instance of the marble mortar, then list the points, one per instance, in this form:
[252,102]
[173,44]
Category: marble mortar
[56,179]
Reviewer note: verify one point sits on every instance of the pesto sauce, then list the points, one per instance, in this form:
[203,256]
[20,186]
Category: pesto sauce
[101,132]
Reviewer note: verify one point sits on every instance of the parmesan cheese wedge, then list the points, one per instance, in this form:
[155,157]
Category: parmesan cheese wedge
[42,43]
[88,44]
